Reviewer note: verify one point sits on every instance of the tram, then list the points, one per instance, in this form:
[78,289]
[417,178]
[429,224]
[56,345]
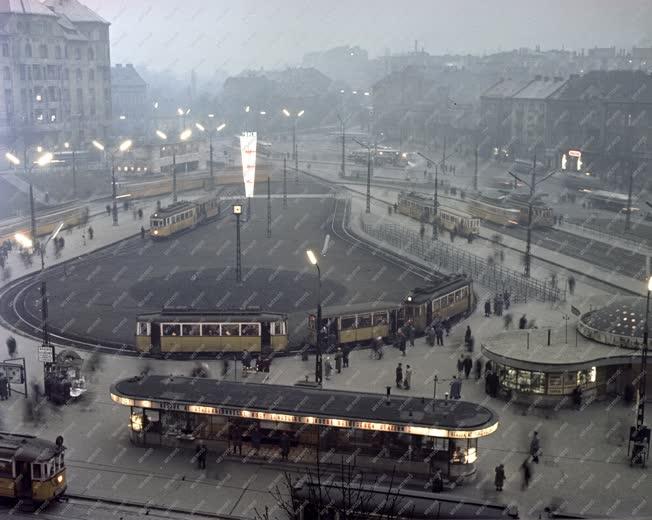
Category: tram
[47,222]
[401,433]
[31,469]
[182,216]
[199,331]
[420,207]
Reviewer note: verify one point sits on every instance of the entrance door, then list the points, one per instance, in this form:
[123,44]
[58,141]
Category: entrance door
[23,480]
[156,337]
[428,313]
[265,332]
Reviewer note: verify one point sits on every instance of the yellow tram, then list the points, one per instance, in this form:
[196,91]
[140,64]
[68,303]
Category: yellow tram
[420,207]
[31,469]
[208,331]
[183,215]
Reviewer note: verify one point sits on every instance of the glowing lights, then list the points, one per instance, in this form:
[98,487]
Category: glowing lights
[23,241]
[12,159]
[221,127]
[186,134]
[649,284]
[45,159]
[311,257]
[60,479]
[125,145]
[237,209]
[98,145]
[161,135]
[301,113]
[200,127]
[136,423]
[286,112]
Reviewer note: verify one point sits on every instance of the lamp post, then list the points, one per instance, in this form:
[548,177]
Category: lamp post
[343,122]
[369,169]
[122,147]
[295,152]
[237,211]
[435,202]
[640,416]
[183,136]
[532,185]
[43,160]
[74,169]
[210,132]
[318,361]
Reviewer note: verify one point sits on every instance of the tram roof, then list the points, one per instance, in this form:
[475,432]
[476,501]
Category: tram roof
[26,448]
[358,308]
[434,290]
[173,209]
[212,315]
[470,420]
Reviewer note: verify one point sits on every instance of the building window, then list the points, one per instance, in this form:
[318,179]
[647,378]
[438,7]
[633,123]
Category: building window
[43,51]
[67,52]
[91,75]
[36,72]
[78,74]
[7,73]
[9,101]
[5,50]
[28,50]
[91,54]
[23,72]
[52,94]
[77,53]
[66,74]
[57,52]
[53,116]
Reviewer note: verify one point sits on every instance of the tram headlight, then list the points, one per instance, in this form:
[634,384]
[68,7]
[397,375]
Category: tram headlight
[60,479]
[156,231]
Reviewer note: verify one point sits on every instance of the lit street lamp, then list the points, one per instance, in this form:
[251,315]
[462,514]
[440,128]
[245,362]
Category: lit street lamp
[318,335]
[295,154]
[183,136]
[122,147]
[74,169]
[237,211]
[210,132]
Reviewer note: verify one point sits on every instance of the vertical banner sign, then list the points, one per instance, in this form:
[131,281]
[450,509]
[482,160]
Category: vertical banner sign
[248,152]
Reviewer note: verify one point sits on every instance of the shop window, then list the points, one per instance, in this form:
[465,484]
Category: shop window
[523,380]
[348,323]
[510,377]
[190,329]
[538,383]
[230,329]
[171,329]
[364,320]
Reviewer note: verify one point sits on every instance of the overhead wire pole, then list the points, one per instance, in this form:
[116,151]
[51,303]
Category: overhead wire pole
[368,147]
[285,182]
[269,209]
[435,222]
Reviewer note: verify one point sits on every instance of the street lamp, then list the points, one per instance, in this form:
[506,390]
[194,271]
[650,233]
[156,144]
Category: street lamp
[369,163]
[435,203]
[41,161]
[122,147]
[67,146]
[202,128]
[183,136]
[318,360]
[237,211]
[288,114]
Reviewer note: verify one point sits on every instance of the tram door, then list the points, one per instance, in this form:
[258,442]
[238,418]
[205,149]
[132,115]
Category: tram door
[428,313]
[266,336]
[24,479]
[156,337]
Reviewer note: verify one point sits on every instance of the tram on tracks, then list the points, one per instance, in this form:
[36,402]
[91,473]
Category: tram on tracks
[377,433]
[182,216]
[32,469]
[199,331]
[509,210]
[47,222]
[420,207]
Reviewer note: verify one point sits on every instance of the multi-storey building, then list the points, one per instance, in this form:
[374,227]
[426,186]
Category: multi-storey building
[129,102]
[55,66]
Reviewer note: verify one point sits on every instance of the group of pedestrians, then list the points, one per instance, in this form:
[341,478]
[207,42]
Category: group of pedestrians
[403,379]
[534,453]
[435,332]
[406,333]
[341,361]
[500,302]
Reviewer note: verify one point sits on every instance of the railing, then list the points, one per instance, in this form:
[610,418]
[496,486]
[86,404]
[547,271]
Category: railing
[447,257]
[641,246]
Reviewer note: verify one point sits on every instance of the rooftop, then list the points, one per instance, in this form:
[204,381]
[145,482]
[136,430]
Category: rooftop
[614,85]
[540,88]
[75,11]
[619,323]
[24,7]
[126,76]
[505,88]
[407,411]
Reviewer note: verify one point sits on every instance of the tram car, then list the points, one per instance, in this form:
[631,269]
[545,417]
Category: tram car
[510,210]
[357,323]
[196,331]
[451,299]
[182,216]
[32,470]
[47,222]
[420,207]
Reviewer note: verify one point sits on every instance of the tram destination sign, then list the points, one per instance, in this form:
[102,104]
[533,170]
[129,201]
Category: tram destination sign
[46,353]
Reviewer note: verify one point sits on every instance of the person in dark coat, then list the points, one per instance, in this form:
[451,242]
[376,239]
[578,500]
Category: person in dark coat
[487,308]
[447,327]
[522,323]
[411,332]
[478,368]
[285,446]
[487,367]
[430,336]
[338,360]
[236,439]
[255,439]
[496,300]
[200,455]
[571,284]
[468,365]
[527,473]
[399,375]
[507,300]
[500,477]
[577,397]
[535,448]
[439,334]
[345,356]
[460,366]
[467,335]
[456,388]
[11,346]
[499,307]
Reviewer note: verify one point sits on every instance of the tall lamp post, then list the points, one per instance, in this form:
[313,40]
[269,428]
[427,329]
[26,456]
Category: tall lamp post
[435,203]
[183,136]
[343,122]
[122,147]
[640,416]
[43,160]
[318,335]
[369,147]
[237,211]
[532,185]
[295,153]
[211,131]
[67,145]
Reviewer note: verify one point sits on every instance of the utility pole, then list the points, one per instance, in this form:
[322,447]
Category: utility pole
[285,182]
[74,174]
[443,156]
[210,158]
[368,210]
[248,209]
[475,163]
[269,210]
[113,193]
[237,211]
[174,174]
[628,141]
[32,213]
[343,149]
[296,163]
[435,202]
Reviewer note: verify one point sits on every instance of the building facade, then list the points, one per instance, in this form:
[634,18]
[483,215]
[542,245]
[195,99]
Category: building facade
[129,101]
[55,63]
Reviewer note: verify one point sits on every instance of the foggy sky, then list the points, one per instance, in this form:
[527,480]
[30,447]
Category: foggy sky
[239,34]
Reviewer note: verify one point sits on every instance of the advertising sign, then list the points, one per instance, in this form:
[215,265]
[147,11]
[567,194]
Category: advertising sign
[46,353]
[15,373]
[248,152]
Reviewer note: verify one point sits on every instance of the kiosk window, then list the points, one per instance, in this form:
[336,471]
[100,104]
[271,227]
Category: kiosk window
[230,329]
[191,329]
[538,383]
[348,323]
[364,320]
[171,329]
[210,329]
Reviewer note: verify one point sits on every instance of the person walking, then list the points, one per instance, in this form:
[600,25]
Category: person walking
[478,369]
[411,332]
[407,380]
[338,360]
[535,448]
[200,455]
[439,333]
[456,388]
[522,323]
[236,434]
[460,365]
[328,367]
[345,356]
[399,375]
[468,365]
[285,446]
[12,347]
[142,233]
[91,232]
[527,473]
[487,308]
[255,439]
[499,480]
[447,327]
[499,306]
[508,320]
[577,397]
[507,300]
[467,335]
[571,284]
[402,342]
[431,336]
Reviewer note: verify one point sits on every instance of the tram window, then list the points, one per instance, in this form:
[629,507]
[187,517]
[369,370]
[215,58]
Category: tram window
[364,320]
[380,318]
[5,467]
[171,329]
[143,328]
[250,329]
[210,329]
[436,304]
[278,327]
[230,329]
[36,471]
[347,323]
[458,295]
[190,330]
[451,299]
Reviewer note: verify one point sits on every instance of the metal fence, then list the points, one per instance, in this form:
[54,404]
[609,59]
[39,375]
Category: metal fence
[445,256]
[642,246]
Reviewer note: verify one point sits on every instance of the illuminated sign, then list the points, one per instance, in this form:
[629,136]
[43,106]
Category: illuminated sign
[575,153]
[248,153]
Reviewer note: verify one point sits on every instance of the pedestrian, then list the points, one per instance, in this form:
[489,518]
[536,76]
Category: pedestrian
[478,368]
[408,377]
[402,342]
[377,346]
[499,307]
[577,397]
[507,300]
[535,447]
[431,336]
[460,365]
[487,308]
[471,344]
[285,446]
[108,209]
[411,332]
[495,304]
[499,480]
[345,356]
[437,482]
[12,347]
[522,323]
[508,320]
[456,388]
[84,237]
[328,367]
[447,327]
[91,232]
[439,332]
[338,360]
[399,375]
[494,383]
[255,439]
[246,360]
[200,455]
[467,335]
[468,365]
[142,232]
[140,213]
[236,438]
[571,284]
[527,473]
[487,367]
[4,384]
